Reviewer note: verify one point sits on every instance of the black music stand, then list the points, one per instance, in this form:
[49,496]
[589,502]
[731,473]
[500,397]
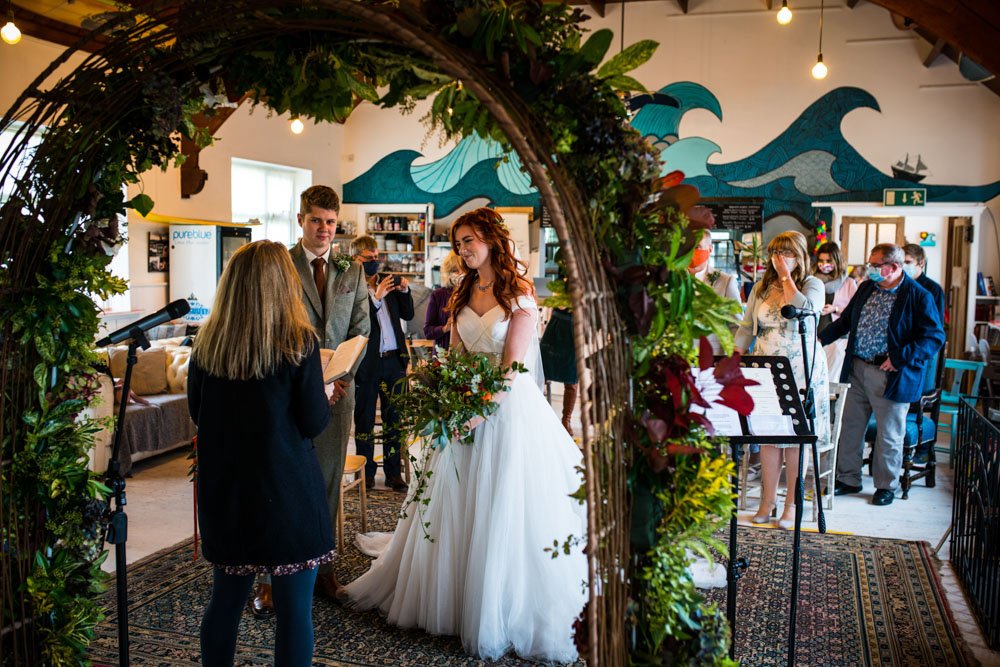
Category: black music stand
[791,406]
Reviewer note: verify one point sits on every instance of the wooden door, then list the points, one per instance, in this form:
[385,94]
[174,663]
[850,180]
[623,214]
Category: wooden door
[959,285]
[859,235]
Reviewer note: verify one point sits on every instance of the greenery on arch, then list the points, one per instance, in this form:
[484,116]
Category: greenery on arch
[541,61]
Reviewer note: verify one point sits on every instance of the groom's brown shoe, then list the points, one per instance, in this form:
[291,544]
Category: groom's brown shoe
[328,586]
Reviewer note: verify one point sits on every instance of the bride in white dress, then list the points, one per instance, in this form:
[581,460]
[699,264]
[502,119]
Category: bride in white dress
[497,504]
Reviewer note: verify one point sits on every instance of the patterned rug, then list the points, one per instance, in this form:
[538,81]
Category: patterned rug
[168,592]
[864,601]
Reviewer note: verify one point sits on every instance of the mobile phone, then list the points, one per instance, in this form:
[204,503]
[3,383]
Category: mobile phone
[397,280]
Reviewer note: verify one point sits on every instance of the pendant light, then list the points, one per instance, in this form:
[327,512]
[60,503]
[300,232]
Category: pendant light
[820,70]
[784,14]
[296,125]
[10,32]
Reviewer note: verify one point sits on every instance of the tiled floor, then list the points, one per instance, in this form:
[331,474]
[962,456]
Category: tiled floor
[160,514]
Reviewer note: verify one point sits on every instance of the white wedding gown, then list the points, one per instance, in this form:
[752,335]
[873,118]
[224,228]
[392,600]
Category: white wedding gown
[494,507]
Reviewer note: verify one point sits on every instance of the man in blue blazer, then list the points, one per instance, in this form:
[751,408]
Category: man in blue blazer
[385,363]
[895,331]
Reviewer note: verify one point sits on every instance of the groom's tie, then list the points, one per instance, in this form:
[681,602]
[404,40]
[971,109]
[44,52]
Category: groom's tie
[319,275]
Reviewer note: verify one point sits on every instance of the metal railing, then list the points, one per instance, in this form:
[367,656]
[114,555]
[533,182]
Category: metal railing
[975,542]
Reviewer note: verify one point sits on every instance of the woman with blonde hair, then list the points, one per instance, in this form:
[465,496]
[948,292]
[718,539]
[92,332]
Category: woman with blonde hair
[786,281]
[437,323]
[256,392]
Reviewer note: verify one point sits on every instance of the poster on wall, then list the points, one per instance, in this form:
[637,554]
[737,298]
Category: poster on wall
[738,215]
[158,253]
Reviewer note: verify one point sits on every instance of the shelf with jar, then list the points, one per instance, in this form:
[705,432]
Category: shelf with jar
[401,232]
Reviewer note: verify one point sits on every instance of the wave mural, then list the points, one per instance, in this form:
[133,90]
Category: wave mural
[810,161]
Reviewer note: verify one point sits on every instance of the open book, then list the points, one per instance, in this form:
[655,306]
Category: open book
[344,360]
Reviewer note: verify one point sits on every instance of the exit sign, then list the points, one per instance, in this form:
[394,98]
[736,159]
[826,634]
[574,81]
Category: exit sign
[904,196]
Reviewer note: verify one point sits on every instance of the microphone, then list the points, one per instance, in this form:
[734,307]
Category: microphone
[790,312]
[171,311]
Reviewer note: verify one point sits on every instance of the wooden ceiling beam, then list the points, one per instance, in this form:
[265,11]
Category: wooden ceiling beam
[683,4]
[936,49]
[42,27]
[597,6]
[972,26]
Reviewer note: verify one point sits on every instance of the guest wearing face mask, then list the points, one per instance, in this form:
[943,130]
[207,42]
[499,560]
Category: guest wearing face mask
[724,284]
[437,323]
[831,269]
[895,332]
[786,281]
[839,287]
[384,365]
[915,266]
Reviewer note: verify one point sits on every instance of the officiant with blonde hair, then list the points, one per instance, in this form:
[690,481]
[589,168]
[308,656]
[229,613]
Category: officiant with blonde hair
[256,392]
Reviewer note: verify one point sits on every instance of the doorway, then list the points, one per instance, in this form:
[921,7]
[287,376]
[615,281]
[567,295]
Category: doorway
[860,234]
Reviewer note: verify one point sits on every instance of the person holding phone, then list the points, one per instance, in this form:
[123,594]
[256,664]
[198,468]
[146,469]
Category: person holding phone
[384,365]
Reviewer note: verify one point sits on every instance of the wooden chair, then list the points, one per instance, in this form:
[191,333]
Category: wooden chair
[828,453]
[950,397]
[354,465]
[921,432]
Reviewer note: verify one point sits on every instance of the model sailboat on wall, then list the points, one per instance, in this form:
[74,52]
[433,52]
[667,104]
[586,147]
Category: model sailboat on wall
[903,170]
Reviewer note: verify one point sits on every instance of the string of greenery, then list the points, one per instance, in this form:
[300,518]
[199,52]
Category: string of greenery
[315,63]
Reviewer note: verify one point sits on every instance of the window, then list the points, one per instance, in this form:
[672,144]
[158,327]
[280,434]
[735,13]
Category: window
[270,194]
[7,137]
[119,264]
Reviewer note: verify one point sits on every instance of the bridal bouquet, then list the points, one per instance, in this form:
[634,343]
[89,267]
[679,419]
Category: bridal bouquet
[448,391]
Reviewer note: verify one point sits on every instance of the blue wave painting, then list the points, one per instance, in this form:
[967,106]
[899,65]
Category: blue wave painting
[810,161]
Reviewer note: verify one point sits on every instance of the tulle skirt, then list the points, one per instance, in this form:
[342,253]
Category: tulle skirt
[472,562]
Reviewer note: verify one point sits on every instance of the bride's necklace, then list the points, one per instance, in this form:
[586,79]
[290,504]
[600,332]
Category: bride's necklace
[483,288]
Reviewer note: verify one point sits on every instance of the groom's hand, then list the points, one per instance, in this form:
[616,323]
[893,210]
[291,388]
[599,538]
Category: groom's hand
[336,390]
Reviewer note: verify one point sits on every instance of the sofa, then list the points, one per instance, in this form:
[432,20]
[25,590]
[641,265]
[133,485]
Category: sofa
[157,419]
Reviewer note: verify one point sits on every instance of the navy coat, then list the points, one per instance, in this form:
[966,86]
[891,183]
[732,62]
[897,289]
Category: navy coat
[915,335]
[261,495]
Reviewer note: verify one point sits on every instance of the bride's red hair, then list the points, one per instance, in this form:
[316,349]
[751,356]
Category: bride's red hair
[509,282]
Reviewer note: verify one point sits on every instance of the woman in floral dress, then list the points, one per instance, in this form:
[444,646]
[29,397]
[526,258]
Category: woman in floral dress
[787,281]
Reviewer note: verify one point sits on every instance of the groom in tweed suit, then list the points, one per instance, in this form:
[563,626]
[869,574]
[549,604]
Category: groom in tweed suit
[337,303]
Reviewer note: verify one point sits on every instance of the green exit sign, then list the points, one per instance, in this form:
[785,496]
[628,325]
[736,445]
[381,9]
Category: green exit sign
[904,196]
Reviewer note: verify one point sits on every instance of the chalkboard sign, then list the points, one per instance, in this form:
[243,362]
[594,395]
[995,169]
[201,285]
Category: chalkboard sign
[744,215]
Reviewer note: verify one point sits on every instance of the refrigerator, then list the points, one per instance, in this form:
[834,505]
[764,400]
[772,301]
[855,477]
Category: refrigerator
[198,254]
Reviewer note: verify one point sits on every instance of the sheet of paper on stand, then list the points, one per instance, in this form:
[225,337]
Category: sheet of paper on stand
[770,424]
[725,421]
[344,360]
[764,394]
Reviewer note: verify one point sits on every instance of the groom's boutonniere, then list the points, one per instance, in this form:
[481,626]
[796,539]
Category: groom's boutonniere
[342,262]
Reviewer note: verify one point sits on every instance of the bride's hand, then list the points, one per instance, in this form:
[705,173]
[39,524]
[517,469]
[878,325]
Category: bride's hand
[470,425]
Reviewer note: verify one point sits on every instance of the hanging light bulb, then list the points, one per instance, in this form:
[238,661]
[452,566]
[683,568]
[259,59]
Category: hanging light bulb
[10,32]
[820,70]
[784,14]
[297,126]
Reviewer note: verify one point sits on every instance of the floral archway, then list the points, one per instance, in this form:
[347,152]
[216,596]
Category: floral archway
[521,72]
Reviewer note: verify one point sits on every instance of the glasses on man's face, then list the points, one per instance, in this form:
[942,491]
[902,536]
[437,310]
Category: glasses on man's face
[874,265]
[787,254]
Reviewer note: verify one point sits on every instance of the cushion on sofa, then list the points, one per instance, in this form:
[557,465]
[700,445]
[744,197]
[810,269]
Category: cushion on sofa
[149,375]
[178,359]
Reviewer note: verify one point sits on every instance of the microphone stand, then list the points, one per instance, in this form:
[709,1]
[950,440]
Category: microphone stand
[809,407]
[118,522]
